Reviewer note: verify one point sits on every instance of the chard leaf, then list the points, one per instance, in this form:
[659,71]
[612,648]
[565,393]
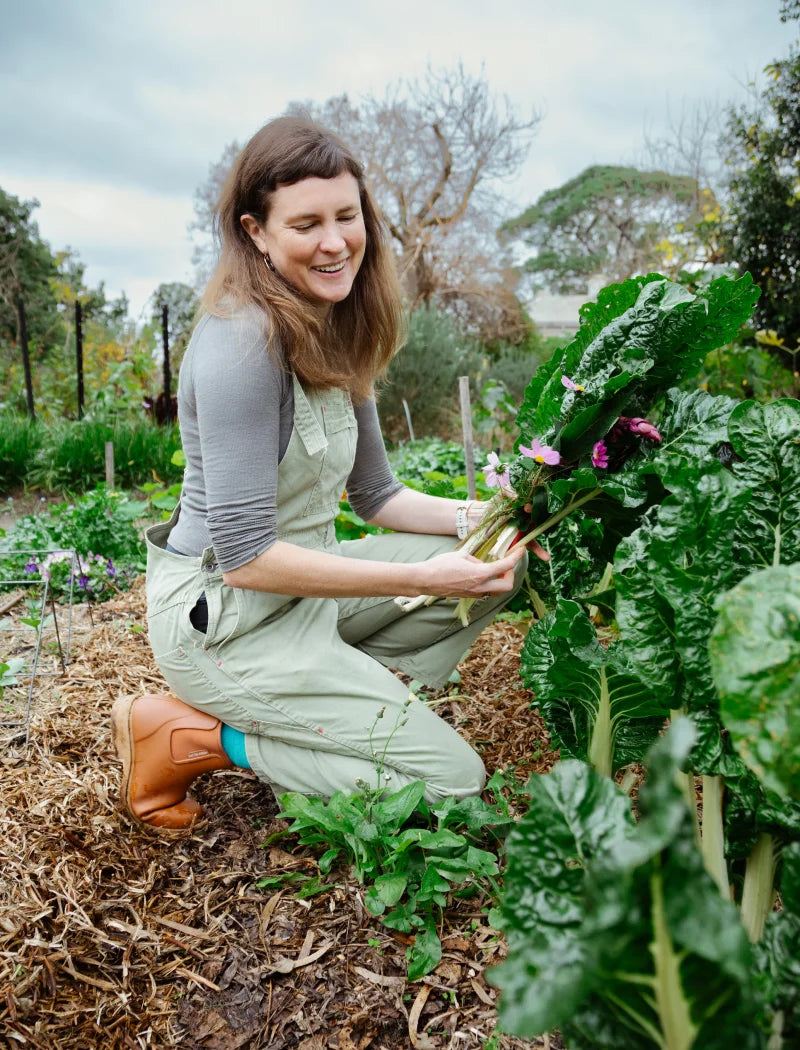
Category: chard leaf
[626,354]
[595,706]
[646,953]
[574,814]
[692,425]
[767,440]
[755,659]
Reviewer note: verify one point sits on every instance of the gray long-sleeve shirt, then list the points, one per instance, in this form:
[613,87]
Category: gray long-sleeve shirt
[236,411]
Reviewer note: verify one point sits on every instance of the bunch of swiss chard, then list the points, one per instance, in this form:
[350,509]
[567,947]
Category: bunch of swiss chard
[584,429]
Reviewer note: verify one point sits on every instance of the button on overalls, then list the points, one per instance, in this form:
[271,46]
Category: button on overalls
[306,678]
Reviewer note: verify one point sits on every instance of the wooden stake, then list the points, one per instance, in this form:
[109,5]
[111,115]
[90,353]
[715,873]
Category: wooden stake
[110,464]
[408,419]
[466,429]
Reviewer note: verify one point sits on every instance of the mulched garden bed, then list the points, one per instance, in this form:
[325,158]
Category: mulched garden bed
[114,937]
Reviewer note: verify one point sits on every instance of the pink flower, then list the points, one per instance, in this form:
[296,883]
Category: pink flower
[541,453]
[640,426]
[496,472]
[569,384]
[600,455]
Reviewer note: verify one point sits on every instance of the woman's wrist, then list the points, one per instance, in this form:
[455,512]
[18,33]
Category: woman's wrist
[468,516]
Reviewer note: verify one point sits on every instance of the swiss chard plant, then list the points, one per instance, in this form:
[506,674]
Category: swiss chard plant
[617,935]
[707,620]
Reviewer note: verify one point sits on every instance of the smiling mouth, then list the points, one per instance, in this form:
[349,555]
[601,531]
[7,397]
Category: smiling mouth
[332,268]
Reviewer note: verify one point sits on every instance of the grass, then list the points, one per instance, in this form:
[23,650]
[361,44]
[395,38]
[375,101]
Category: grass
[69,456]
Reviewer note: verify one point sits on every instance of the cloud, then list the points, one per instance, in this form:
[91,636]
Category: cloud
[137,100]
[114,230]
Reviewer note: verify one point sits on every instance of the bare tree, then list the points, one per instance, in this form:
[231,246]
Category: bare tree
[434,150]
[690,145]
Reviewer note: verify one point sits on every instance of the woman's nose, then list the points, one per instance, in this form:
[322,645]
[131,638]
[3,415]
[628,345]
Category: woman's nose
[332,239]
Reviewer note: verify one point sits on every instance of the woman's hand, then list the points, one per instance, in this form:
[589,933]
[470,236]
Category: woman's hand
[460,575]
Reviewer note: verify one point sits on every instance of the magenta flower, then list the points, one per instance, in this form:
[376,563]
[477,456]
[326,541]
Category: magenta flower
[640,426]
[496,472]
[541,453]
[569,384]
[600,455]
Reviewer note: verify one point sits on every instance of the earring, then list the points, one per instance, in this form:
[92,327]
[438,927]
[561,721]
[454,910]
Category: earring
[268,261]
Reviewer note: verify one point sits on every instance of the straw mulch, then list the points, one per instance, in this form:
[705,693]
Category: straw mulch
[113,937]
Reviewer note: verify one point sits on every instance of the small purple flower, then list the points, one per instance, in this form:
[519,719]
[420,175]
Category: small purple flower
[110,570]
[600,455]
[31,567]
[83,581]
[570,385]
[496,472]
[640,426]
[541,453]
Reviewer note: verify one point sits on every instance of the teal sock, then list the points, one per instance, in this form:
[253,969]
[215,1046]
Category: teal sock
[233,746]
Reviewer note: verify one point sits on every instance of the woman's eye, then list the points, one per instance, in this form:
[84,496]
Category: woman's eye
[307,226]
[347,218]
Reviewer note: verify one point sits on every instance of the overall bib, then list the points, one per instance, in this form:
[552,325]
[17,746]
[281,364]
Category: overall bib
[306,679]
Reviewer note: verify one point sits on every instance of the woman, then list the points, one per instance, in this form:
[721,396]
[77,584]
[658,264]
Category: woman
[276,638]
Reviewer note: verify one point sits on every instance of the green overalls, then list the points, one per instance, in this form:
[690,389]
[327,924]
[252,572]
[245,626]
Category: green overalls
[306,678]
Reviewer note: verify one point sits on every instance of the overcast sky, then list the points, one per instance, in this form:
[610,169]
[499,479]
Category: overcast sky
[111,112]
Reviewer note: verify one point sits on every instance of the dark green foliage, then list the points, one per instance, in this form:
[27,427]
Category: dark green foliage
[637,340]
[617,935]
[755,659]
[20,440]
[70,455]
[762,232]
[27,270]
[425,372]
[410,856]
[596,705]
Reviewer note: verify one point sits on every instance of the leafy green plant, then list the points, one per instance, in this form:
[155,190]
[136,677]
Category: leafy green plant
[411,856]
[98,526]
[597,708]
[616,933]
[66,455]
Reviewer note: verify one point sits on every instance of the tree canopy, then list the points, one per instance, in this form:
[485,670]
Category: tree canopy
[27,271]
[762,229]
[616,221]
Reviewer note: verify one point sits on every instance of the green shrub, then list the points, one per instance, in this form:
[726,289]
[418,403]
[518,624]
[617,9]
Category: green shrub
[425,373]
[20,440]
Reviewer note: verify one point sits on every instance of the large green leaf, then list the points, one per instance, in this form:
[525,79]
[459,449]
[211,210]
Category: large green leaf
[755,658]
[595,706]
[766,438]
[616,934]
[626,354]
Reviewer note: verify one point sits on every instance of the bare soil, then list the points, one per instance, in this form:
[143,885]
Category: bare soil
[117,938]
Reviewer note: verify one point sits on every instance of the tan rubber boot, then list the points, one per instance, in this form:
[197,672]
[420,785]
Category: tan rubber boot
[164,744]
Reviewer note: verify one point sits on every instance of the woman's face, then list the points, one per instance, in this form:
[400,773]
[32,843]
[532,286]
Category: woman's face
[315,236]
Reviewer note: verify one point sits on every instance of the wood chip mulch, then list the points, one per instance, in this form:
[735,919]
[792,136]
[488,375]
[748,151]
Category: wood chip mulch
[116,938]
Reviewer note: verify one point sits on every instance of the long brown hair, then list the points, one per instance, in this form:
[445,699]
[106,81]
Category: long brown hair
[353,345]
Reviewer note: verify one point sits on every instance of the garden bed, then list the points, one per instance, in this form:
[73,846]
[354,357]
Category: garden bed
[112,936]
